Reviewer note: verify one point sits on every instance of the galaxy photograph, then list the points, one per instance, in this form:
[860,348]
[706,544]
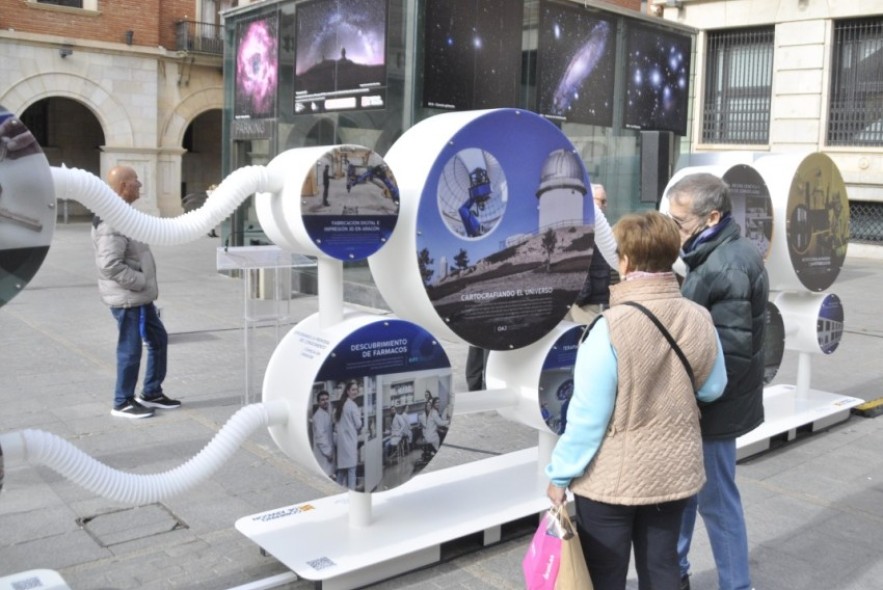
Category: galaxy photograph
[576,56]
[257,73]
[341,52]
[472,56]
[658,68]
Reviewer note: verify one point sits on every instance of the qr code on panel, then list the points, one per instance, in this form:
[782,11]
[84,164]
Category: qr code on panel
[27,584]
[321,563]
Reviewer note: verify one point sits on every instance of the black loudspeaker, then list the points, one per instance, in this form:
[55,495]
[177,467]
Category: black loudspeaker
[657,152]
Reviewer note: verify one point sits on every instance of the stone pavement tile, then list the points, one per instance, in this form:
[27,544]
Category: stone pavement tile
[827,563]
[822,480]
[24,490]
[783,514]
[63,550]
[855,523]
[206,507]
[45,521]
[772,569]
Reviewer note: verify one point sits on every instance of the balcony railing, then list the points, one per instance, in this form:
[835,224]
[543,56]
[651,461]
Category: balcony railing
[198,37]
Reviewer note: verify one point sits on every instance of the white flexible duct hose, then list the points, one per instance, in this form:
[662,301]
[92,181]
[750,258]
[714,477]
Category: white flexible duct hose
[38,446]
[91,191]
[604,238]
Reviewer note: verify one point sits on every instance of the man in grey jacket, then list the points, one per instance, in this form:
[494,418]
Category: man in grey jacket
[127,284]
[726,275]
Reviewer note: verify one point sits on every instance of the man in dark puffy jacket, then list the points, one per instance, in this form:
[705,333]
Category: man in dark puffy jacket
[127,284]
[725,274]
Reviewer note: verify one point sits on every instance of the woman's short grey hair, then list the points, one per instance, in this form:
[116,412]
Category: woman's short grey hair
[704,192]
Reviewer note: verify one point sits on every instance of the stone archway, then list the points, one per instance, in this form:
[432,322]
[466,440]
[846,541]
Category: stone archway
[70,135]
[103,105]
[190,145]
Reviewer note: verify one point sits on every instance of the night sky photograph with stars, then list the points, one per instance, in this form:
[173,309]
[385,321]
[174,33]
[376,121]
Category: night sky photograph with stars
[576,56]
[658,79]
[472,54]
[341,47]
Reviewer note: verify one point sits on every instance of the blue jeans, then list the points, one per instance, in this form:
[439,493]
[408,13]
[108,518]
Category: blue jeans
[139,325]
[720,505]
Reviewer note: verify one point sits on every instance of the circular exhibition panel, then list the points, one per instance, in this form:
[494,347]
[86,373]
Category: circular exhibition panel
[370,399]
[27,206]
[496,229]
[813,322]
[546,366]
[773,343]
[752,207]
[341,202]
[810,252]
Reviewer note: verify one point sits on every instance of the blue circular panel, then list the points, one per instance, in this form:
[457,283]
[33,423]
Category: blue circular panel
[350,203]
[556,379]
[505,229]
[388,406]
[829,326]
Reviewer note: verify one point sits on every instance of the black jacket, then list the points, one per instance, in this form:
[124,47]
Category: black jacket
[596,288]
[727,276]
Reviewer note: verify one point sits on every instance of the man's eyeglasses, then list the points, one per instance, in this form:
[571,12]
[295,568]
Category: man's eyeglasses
[688,225]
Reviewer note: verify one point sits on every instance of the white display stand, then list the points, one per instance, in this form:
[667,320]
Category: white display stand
[267,288]
[788,408]
[319,541]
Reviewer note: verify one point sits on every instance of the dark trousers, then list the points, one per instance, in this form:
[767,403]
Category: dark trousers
[476,358]
[607,533]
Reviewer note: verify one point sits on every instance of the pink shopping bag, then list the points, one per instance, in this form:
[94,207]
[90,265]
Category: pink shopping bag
[543,558]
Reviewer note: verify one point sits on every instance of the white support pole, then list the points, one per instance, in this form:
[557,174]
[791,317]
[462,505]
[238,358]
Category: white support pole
[545,445]
[804,371]
[360,509]
[330,291]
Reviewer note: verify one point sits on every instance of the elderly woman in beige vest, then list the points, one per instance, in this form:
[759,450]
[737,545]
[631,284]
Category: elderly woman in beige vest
[631,452]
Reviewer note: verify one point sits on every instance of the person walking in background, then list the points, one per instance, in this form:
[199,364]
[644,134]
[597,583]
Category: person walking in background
[323,434]
[127,284]
[594,296]
[347,425]
[631,452]
[726,275]
[326,181]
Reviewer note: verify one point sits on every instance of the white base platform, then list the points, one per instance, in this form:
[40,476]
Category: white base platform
[317,541]
[42,579]
[408,525]
[786,410]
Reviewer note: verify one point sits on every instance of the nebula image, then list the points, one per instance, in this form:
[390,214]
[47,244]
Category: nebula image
[472,57]
[256,68]
[658,78]
[575,60]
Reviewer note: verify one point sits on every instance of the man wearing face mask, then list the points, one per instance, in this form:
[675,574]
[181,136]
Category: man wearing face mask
[726,275]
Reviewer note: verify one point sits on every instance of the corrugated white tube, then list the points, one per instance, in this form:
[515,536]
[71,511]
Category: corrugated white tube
[604,238]
[92,192]
[45,448]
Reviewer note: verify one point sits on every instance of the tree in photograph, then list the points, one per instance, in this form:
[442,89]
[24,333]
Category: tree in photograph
[550,240]
[424,263]
[462,259]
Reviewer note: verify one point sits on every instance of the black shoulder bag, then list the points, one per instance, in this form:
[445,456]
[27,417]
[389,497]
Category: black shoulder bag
[671,340]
